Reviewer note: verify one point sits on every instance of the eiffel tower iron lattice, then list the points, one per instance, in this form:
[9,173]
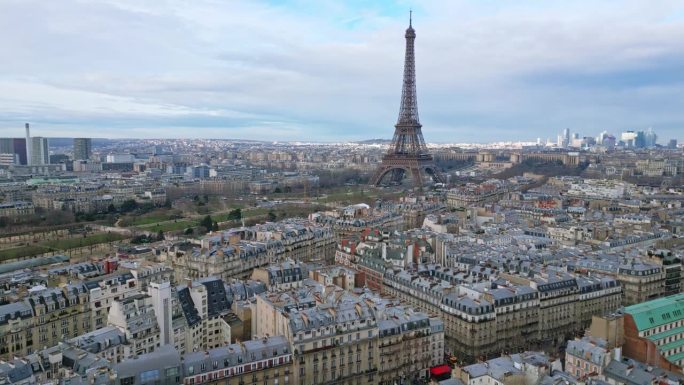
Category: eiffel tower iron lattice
[408,154]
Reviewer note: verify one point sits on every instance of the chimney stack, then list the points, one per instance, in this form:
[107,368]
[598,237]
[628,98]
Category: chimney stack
[28,145]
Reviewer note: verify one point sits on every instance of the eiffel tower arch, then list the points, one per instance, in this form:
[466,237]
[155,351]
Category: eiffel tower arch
[408,155]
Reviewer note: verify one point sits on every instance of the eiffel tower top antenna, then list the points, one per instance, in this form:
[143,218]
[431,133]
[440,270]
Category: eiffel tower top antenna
[410,17]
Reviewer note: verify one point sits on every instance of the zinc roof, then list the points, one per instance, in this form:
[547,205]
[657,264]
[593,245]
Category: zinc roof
[657,312]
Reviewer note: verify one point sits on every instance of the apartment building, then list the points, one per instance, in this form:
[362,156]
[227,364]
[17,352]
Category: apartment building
[505,313]
[597,295]
[341,276]
[145,272]
[409,344]
[300,239]
[103,291]
[16,336]
[339,337]
[236,252]
[204,305]
[586,356]
[265,361]
[134,315]
[163,367]
[16,209]
[45,317]
[65,363]
[328,343]
[278,276]
[236,259]
[641,282]
[654,332]
[478,194]
[527,368]
[517,315]
[108,343]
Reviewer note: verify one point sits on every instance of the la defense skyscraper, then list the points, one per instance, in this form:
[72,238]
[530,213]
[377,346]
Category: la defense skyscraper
[408,154]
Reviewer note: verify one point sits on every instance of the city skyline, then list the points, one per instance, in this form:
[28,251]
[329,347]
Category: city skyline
[486,72]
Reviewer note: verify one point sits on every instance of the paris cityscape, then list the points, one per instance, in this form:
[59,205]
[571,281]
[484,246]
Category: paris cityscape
[169,237]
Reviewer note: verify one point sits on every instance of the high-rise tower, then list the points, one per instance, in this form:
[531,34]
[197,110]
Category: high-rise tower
[82,148]
[407,153]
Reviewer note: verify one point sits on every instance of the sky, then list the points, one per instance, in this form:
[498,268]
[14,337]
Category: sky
[325,70]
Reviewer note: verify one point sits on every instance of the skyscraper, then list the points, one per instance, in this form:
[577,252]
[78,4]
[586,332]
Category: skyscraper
[650,138]
[82,148]
[14,146]
[40,154]
[564,138]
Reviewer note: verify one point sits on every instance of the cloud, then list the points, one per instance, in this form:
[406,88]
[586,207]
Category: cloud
[330,70]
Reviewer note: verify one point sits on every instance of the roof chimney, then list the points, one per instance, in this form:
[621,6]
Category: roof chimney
[28,145]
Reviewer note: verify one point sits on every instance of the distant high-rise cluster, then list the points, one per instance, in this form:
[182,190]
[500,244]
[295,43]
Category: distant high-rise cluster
[31,151]
[626,139]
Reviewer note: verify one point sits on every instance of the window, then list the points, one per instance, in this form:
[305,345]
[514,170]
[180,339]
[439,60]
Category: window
[172,372]
[128,381]
[150,375]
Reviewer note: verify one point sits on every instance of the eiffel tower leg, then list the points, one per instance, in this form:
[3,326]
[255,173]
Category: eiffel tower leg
[436,175]
[377,177]
[417,176]
[397,175]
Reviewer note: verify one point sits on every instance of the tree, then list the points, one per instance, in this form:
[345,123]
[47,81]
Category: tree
[188,231]
[160,235]
[215,227]
[111,208]
[138,239]
[271,216]
[277,190]
[235,215]
[129,205]
[206,222]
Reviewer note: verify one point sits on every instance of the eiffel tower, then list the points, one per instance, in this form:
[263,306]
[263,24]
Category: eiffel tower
[407,153]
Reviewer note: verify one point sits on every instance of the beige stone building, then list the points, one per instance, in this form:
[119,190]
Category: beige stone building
[266,361]
[339,338]
[103,291]
[45,317]
[135,316]
[641,282]
[236,252]
[518,313]
[280,276]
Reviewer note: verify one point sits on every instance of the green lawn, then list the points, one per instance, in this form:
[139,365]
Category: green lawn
[22,251]
[146,220]
[181,224]
[72,243]
[158,215]
[59,244]
[350,196]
